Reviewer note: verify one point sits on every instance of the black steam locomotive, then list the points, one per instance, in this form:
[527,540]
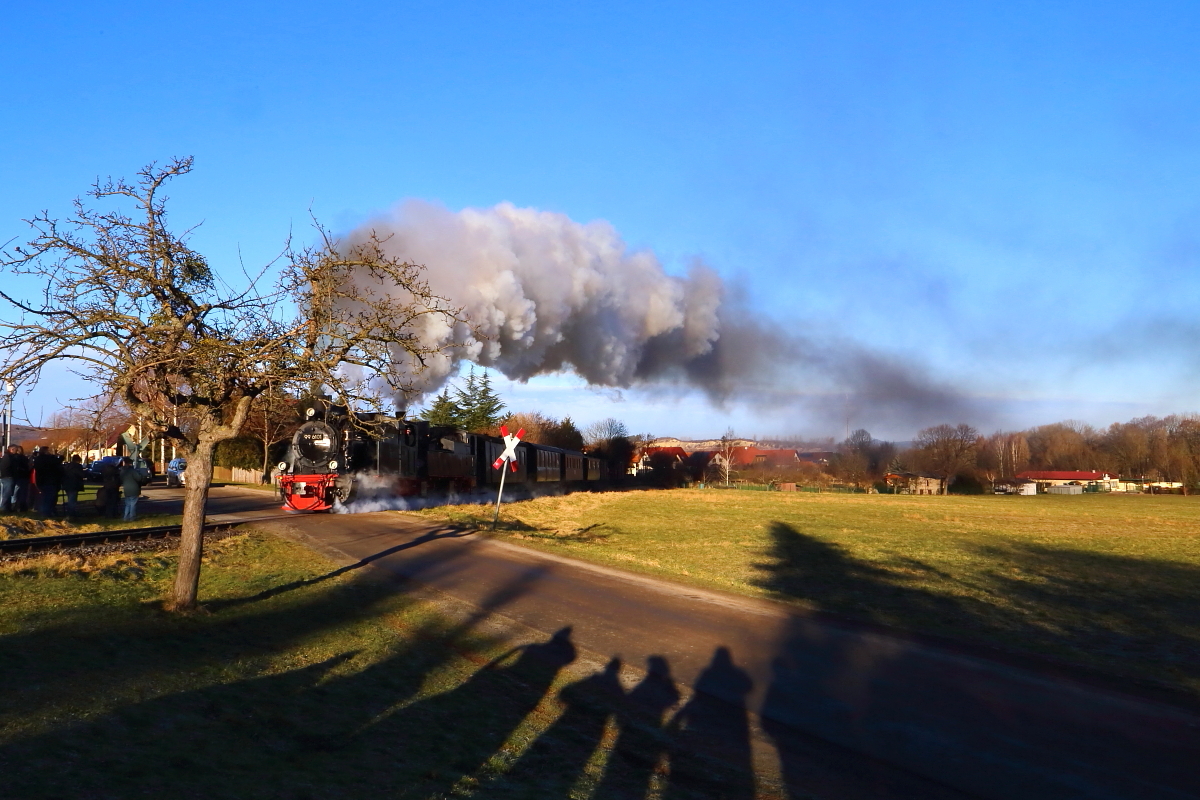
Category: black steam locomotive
[338,456]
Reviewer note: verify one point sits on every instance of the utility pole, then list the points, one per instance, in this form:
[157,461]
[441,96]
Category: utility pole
[6,398]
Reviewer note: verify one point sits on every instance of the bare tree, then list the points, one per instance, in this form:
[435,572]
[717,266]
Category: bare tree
[602,431]
[275,414]
[141,314]
[946,449]
[728,449]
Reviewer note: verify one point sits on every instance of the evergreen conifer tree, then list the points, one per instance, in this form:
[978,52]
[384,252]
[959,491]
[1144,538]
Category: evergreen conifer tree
[487,410]
[443,411]
[481,408]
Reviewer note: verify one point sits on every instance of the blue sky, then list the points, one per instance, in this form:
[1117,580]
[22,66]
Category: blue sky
[1004,193]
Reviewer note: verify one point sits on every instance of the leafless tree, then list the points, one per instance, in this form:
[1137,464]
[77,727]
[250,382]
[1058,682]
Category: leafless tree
[142,315]
[601,432]
[274,415]
[947,449]
[726,453]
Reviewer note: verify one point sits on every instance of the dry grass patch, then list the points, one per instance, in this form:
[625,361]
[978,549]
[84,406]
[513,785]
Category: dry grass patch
[18,526]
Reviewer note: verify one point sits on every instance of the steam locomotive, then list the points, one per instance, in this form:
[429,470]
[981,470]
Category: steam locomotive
[337,456]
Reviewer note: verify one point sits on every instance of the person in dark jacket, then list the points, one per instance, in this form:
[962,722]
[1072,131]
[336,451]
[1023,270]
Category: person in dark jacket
[72,482]
[31,490]
[47,473]
[18,473]
[110,484]
[7,484]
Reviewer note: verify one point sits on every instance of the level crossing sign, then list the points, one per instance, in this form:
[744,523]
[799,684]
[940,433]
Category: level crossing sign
[509,455]
[510,449]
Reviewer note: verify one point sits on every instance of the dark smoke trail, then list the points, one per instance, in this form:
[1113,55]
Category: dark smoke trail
[551,294]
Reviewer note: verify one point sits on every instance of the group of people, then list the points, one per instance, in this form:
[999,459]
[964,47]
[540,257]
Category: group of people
[36,483]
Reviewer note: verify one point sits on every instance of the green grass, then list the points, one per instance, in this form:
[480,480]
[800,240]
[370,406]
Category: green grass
[1107,581]
[300,680]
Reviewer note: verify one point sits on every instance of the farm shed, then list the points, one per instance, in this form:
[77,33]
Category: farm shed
[1099,481]
[1017,486]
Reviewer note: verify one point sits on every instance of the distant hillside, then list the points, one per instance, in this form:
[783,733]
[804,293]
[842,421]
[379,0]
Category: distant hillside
[693,446]
[822,445]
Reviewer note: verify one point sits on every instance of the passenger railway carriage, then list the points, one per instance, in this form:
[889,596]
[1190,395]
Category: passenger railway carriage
[335,457]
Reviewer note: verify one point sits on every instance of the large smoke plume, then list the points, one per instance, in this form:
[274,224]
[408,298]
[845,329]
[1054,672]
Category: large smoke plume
[548,294]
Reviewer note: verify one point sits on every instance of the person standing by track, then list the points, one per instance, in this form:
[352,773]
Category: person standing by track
[110,484]
[14,467]
[72,482]
[131,484]
[7,483]
[47,471]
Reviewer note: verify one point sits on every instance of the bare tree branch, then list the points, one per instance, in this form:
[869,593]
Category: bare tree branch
[145,318]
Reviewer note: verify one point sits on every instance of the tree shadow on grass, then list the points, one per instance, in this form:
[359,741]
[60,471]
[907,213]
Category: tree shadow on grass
[918,701]
[136,703]
[122,682]
[1113,613]
[329,730]
[274,591]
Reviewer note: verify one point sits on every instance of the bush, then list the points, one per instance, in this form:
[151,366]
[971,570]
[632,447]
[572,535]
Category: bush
[967,483]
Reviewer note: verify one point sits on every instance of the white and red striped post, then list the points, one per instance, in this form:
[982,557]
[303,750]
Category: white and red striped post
[509,455]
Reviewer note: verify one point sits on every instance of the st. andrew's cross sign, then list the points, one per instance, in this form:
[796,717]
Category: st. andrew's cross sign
[509,455]
[510,448]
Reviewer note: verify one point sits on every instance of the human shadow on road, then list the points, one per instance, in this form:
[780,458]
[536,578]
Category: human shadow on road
[640,756]
[711,734]
[168,719]
[572,746]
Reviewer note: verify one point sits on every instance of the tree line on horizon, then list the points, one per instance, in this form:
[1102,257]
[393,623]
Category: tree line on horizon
[1147,448]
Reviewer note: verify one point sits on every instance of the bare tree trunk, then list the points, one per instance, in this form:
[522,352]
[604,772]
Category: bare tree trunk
[191,539]
[266,454]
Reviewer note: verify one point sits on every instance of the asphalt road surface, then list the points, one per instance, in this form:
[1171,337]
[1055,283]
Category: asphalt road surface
[851,711]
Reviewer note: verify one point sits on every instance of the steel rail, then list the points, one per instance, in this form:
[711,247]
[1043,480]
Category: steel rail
[71,541]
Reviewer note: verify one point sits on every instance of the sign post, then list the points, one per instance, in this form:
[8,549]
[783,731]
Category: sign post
[509,456]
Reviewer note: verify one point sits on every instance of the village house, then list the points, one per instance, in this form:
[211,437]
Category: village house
[677,457]
[913,483]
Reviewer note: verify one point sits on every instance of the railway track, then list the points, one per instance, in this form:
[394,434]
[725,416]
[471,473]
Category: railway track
[109,540]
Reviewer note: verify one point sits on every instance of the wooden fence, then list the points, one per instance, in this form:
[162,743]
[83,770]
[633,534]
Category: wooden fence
[237,475]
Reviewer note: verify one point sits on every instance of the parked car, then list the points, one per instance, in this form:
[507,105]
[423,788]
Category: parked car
[92,473]
[175,472]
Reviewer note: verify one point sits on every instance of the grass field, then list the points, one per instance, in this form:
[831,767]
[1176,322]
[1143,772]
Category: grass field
[1107,581]
[300,680]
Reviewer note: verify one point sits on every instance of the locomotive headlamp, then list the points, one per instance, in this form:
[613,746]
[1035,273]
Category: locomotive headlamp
[282,465]
[333,465]
[311,411]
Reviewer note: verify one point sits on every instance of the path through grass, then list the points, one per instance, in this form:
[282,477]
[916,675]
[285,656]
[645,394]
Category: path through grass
[1108,581]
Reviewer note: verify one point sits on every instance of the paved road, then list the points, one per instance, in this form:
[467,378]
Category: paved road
[853,712]
[222,501]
